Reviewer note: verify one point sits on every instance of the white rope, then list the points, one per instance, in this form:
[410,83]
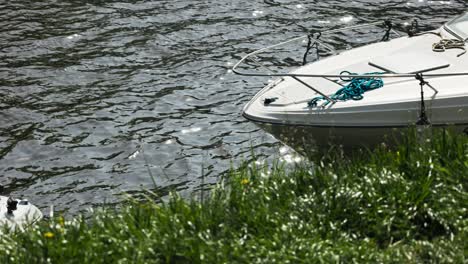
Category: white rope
[445,44]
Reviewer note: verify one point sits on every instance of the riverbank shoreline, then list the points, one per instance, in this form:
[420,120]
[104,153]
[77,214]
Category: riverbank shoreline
[405,204]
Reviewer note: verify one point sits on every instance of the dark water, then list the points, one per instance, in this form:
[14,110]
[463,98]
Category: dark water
[97,95]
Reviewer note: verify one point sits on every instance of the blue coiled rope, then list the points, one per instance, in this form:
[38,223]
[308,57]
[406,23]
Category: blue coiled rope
[354,90]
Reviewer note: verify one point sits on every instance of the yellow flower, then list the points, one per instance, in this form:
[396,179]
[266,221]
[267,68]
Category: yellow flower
[244,181]
[48,234]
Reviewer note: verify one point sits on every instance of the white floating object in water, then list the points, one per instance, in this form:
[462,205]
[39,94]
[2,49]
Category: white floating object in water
[17,214]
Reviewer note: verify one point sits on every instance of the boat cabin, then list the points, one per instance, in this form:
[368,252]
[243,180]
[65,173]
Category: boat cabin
[459,27]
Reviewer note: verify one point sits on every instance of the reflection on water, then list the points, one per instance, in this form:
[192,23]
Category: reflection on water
[96,95]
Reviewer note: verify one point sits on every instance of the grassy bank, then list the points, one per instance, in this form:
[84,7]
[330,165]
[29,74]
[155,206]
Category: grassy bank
[406,205]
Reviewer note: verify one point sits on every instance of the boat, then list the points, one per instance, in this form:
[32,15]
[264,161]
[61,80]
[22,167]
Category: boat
[361,96]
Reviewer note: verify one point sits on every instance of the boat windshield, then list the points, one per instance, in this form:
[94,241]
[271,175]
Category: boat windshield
[459,26]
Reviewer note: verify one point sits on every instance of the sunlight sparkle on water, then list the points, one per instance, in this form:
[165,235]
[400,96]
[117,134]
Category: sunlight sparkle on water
[283,150]
[288,155]
[134,155]
[290,158]
[256,13]
[440,2]
[191,130]
[346,19]
[73,36]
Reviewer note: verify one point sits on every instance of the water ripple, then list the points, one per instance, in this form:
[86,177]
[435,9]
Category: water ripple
[100,98]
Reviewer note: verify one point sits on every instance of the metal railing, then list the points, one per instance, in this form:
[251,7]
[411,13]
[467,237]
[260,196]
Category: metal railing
[297,76]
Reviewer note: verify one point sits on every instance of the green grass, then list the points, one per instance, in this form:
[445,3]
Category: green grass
[401,205]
